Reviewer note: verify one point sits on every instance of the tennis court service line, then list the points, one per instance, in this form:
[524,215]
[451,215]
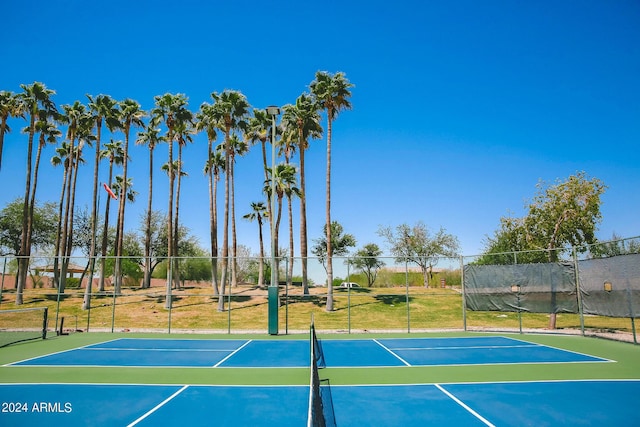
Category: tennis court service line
[158,406]
[392,352]
[465,406]
[464,347]
[232,353]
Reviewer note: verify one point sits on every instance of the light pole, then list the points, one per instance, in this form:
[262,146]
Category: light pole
[273,111]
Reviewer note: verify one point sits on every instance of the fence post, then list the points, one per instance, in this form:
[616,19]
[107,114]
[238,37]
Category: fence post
[576,274]
[462,288]
[348,296]
[169,302]
[406,283]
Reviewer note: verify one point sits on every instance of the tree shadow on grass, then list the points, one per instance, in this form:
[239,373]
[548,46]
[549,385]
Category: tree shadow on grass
[392,299]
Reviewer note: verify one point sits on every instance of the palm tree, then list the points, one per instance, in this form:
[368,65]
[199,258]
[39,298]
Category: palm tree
[287,147]
[149,137]
[130,115]
[49,133]
[331,93]
[206,122]
[291,190]
[230,109]
[76,118]
[34,99]
[284,179]
[64,156]
[172,110]
[119,188]
[103,109]
[9,107]
[238,147]
[176,169]
[258,211]
[114,152]
[259,130]
[183,135]
[303,120]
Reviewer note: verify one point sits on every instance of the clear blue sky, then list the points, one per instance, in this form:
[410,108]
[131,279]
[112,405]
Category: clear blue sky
[459,107]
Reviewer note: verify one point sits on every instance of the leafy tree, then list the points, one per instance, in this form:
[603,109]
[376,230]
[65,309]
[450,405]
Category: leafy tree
[340,243]
[331,93]
[564,214]
[45,219]
[510,245]
[366,261]
[560,216]
[418,246]
[615,246]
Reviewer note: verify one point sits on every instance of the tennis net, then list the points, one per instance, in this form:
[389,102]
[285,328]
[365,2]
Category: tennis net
[316,413]
[22,325]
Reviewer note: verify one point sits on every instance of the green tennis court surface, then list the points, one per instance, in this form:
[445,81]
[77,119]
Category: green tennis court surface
[386,380]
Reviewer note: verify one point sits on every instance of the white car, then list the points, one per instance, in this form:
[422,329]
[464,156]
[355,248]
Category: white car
[349,285]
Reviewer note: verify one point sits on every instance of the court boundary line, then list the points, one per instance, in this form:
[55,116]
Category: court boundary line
[490,382]
[603,359]
[158,406]
[391,352]
[232,353]
[464,405]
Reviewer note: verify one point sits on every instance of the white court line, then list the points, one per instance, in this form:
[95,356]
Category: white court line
[461,403]
[232,353]
[158,406]
[464,347]
[190,350]
[391,351]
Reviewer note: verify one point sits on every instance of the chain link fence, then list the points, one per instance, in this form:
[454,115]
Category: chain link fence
[465,293]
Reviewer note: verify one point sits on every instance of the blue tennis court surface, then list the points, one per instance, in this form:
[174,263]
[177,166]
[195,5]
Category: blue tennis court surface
[583,403]
[295,353]
[531,403]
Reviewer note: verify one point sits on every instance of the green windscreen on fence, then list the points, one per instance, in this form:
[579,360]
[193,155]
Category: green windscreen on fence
[611,286]
[535,288]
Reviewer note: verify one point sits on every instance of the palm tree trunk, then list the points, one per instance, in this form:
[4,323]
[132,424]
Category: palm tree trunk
[176,223]
[329,247]
[58,243]
[234,242]
[72,203]
[303,219]
[167,304]
[225,225]
[86,302]
[147,238]
[23,260]
[213,226]
[291,248]
[121,208]
[105,231]
[64,241]
[261,263]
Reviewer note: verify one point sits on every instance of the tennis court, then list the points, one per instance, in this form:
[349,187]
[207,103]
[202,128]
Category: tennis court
[435,379]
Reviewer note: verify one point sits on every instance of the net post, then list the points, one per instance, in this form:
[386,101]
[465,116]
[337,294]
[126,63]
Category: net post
[44,323]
